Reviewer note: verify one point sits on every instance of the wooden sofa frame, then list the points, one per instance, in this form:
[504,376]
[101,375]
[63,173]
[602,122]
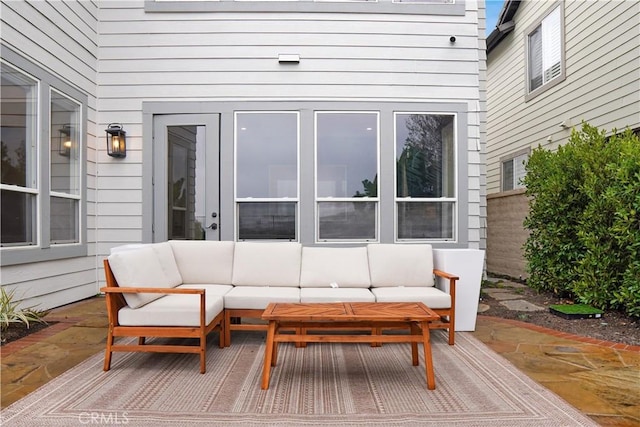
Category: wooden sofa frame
[115,301]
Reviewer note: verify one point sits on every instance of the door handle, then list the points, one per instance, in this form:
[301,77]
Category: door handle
[213,226]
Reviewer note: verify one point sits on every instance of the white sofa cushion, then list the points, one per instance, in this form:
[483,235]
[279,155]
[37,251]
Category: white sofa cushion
[258,297]
[336,295]
[140,268]
[172,310]
[266,264]
[168,262]
[329,267]
[202,261]
[400,265]
[432,297]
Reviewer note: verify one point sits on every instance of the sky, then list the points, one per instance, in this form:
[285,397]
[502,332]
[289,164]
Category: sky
[493,10]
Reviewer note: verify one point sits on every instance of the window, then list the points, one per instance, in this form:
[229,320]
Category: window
[513,170]
[545,62]
[266,175]
[65,169]
[19,95]
[43,149]
[425,176]
[347,176]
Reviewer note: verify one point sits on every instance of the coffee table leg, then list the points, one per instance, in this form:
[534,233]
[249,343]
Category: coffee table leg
[268,354]
[414,344]
[428,360]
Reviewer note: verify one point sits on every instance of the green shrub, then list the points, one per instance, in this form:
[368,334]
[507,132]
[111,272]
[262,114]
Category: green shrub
[584,219]
[11,313]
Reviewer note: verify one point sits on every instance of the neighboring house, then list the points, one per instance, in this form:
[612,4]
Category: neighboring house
[321,122]
[551,66]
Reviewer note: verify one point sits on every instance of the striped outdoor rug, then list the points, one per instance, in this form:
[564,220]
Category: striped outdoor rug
[324,384]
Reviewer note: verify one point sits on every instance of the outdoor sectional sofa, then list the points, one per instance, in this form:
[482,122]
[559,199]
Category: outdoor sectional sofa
[189,288]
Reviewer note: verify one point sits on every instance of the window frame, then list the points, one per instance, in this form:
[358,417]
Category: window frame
[318,200]
[239,200]
[44,249]
[444,200]
[512,158]
[531,94]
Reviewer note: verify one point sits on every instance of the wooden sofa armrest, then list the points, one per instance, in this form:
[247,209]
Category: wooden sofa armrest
[452,281]
[445,275]
[130,290]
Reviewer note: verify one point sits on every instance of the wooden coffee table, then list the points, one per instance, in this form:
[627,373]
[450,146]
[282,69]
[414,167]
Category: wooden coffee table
[337,318]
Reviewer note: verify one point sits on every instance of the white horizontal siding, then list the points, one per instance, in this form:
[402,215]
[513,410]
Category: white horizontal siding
[233,56]
[602,86]
[62,38]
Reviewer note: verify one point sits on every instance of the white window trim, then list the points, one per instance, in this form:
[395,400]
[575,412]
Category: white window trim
[237,200]
[456,189]
[531,94]
[319,200]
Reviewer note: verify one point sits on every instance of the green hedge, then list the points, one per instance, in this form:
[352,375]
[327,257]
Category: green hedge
[584,219]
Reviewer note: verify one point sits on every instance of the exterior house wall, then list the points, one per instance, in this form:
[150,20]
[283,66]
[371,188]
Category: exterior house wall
[61,38]
[602,87]
[123,54]
[226,56]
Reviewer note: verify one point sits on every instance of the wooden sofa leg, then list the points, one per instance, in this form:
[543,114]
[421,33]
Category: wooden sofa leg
[227,329]
[108,352]
[452,331]
[203,354]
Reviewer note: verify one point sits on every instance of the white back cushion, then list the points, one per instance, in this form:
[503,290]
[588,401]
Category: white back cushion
[140,268]
[340,267]
[202,261]
[400,265]
[266,264]
[167,260]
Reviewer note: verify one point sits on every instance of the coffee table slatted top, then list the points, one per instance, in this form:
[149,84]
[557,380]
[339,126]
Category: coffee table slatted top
[351,312]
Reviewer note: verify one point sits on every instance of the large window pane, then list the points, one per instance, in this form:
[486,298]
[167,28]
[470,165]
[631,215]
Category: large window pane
[267,155]
[18,138]
[267,220]
[65,144]
[18,218]
[347,154]
[425,155]
[64,220]
[19,97]
[347,220]
[429,220]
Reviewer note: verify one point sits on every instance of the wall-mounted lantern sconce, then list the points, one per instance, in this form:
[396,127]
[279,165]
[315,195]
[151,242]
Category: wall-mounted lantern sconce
[65,143]
[116,140]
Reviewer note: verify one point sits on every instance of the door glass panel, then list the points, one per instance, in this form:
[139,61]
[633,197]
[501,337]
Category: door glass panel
[186,213]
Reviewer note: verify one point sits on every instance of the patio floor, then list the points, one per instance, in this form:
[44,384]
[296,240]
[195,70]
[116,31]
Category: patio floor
[598,378]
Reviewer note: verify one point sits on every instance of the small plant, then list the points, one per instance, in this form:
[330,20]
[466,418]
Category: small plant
[11,313]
